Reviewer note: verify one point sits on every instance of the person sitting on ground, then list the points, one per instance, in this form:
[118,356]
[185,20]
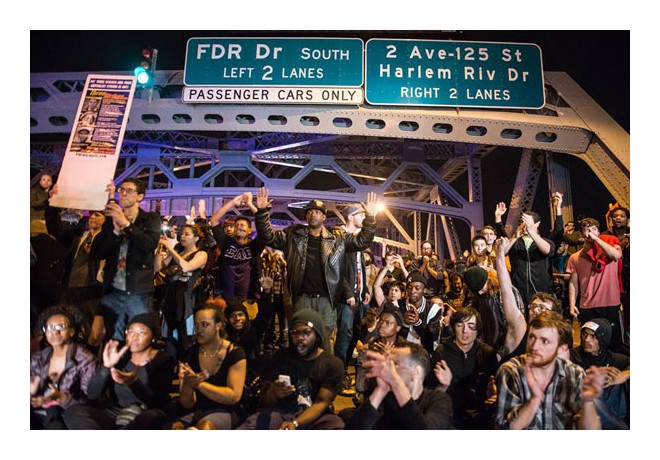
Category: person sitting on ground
[212,378]
[385,281]
[422,319]
[60,373]
[134,380]
[387,336]
[299,383]
[486,298]
[399,400]
[465,367]
[614,405]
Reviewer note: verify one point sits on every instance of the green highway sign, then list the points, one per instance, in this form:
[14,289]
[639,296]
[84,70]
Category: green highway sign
[291,62]
[454,73]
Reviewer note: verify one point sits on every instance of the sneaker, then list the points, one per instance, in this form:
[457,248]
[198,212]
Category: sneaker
[348,386]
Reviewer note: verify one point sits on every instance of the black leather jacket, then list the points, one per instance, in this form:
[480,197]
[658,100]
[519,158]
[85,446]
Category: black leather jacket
[334,246]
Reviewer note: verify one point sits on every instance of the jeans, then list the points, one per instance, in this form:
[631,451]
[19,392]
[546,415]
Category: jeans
[346,333]
[118,307]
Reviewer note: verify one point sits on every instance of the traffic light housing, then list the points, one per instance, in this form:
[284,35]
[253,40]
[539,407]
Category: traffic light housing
[145,71]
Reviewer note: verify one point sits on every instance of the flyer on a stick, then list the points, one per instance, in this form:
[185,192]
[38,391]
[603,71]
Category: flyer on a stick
[93,149]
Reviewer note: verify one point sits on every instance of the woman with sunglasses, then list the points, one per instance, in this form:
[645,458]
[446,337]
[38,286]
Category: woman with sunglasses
[135,379]
[60,373]
[211,379]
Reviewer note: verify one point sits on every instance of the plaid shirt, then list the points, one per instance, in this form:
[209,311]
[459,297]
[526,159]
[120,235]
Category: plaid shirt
[561,404]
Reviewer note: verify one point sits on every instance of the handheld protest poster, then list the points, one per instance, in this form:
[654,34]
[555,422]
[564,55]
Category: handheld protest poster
[93,149]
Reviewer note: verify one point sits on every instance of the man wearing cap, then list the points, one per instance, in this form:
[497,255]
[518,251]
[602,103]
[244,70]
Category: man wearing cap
[299,382]
[239,254]
[540,391]
[315,257]
[422,319]
[614,407]
[354,295]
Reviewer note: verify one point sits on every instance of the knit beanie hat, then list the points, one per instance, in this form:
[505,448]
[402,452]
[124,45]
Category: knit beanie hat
[150,320]
[235,305]
[602,329]
[416,277]
[309,318]
[475,278]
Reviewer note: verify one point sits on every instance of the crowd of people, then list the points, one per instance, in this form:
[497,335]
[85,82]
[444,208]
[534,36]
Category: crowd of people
[229,323]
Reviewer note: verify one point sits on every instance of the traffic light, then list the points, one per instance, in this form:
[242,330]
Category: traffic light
[145,71]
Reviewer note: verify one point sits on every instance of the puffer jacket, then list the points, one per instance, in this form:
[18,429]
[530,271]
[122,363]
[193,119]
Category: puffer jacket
[334,246]
[78,371]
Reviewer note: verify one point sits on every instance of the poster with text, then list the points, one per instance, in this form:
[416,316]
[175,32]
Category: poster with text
[93,149]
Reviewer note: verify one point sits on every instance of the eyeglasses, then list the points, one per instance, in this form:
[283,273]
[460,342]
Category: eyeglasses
[140,332]
[538,307]
[127,191]
[305,333]
[55,327]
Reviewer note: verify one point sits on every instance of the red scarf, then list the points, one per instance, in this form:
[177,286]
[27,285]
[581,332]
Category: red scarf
[600,258]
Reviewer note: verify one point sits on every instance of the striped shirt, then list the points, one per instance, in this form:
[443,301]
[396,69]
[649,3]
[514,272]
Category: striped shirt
[561,403]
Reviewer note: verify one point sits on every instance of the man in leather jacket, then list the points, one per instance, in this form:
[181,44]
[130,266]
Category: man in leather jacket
[315,256]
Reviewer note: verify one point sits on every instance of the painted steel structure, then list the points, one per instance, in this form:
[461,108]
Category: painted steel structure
[413,157]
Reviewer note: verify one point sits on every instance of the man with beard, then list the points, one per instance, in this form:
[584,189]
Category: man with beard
[539,390]
[315,257]
[238,253]
[300,382]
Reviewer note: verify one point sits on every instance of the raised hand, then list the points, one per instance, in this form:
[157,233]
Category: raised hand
[201,208]
[443,374]
[528,220]
[372,203]
[500,209]
[111,353]
[501,246]
[262,198]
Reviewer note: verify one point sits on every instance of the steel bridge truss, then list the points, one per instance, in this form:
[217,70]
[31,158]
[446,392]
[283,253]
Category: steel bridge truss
[424,163]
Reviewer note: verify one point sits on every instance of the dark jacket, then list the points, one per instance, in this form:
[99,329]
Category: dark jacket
[143,236]
[431,411]
[69,236]
[75,378]
[531,270]
[293,241]
[470,375]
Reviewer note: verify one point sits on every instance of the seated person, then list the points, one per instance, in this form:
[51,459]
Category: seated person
[388,326]
[60,373]
[137,379]
[399,400]
[211,380]
[465,367]
[614,407]
[300,382]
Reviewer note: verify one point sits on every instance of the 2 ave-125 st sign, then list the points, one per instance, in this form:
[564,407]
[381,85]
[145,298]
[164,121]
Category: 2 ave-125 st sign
[280,70]
[454,73]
